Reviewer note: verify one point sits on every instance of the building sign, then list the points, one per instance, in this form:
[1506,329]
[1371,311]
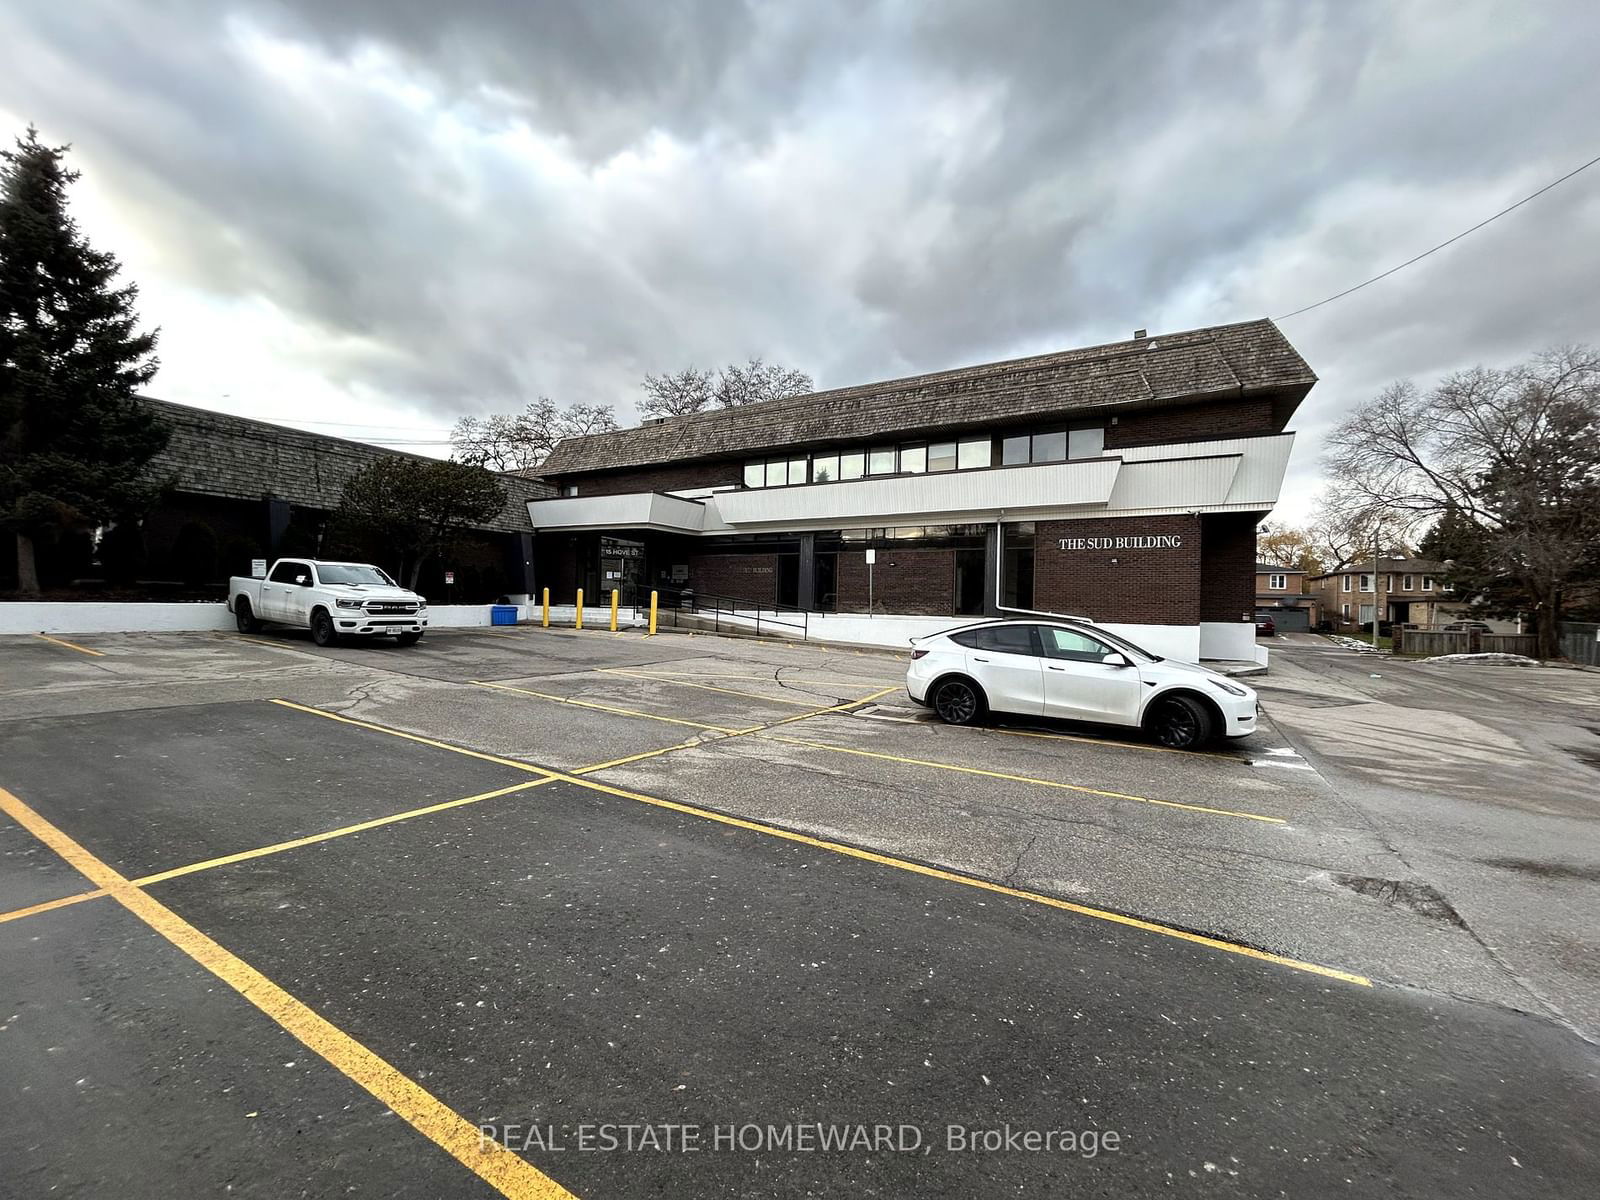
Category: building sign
[449,578]
[258,568]
[617,548]
[1158,541]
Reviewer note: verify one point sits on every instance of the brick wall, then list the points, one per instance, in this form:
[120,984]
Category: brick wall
[655,479]
[1227,566]
[903,581]
[741,576]
[1155,586]
[1192,423]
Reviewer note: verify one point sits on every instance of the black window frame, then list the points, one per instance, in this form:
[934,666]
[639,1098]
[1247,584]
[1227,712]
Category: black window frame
[290,565]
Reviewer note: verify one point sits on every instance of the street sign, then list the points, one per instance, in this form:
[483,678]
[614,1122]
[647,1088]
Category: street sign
[449,578]
[872,557]
[258,568]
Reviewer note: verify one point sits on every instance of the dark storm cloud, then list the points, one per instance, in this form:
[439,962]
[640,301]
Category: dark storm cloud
[476,202]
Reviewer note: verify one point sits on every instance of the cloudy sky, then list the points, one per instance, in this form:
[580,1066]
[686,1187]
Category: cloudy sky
[396,212]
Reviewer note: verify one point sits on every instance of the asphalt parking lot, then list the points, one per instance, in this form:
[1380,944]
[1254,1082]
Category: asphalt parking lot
[284,921]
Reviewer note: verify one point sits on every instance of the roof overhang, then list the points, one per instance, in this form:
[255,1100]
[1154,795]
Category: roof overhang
[632,510]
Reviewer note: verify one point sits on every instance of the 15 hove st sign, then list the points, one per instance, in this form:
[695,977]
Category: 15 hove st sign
[1157,541]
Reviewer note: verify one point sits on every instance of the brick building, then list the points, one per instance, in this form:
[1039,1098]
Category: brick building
[1281,594]
[1122,482]
[1407,590]
[236,489]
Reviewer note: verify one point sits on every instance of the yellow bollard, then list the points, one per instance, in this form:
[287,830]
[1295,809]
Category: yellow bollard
[546,598]
[652,614]
[614,595]
[579,625]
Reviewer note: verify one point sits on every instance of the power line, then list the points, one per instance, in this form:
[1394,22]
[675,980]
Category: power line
[1442,245]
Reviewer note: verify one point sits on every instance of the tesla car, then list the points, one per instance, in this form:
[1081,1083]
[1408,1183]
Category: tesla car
[1077,671]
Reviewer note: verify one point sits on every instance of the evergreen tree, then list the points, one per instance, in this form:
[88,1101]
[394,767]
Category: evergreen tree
[74,443]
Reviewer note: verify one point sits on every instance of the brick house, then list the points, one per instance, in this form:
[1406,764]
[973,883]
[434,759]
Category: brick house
[1404,590]
[1122,482]
[1281,592]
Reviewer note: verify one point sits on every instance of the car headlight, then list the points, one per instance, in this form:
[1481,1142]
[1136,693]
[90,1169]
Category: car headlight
[348,603]
[1232,689]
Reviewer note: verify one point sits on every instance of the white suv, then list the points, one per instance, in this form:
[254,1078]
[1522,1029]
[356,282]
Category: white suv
[1078,671]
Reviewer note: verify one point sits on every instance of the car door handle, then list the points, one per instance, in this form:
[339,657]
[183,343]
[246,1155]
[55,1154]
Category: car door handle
[975,658]
[1056,668]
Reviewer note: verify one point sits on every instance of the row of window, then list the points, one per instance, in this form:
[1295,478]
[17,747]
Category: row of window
[1406,583]
[919,458]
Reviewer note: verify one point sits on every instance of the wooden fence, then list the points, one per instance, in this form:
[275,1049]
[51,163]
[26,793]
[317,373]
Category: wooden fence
[1431,642]
[1580,642]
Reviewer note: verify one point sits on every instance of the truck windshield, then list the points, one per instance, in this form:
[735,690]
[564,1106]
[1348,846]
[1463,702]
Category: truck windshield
[352,573]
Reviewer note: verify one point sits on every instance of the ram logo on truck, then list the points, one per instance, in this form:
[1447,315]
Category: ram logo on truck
[331,599]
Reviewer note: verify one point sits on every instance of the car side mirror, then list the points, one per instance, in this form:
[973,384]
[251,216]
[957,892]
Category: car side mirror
[1115,660]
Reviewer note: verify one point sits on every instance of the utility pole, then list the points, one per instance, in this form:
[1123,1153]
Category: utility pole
[1377,533]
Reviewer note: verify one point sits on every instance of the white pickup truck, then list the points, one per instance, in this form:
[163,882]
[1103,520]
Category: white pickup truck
[332,599]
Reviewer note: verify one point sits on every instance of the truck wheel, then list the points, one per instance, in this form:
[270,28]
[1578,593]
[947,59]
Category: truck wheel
[322,630]
[408,639]
[244,618]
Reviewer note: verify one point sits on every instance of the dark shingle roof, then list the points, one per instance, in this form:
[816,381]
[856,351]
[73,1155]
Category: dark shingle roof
[1221,360]
[1263,568]
[1388,565]
[218,454]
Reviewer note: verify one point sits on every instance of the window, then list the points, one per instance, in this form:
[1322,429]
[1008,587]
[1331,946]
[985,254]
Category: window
[824,468]
[1366,613]
[942,456]
[1405,583]
[1347,588]
[881,461]
[1427,583]
[353,573]
[1086,443]
[852,465]
[797,470]
[1277,583]
[1014,450]
[974,452]
[755,474]
[1388,583]
[1072,645]
[913,459]
[777,473]
[1366,583]
[1006,639]
[1049,447]
[1346,611]
[285,572]
[569,489]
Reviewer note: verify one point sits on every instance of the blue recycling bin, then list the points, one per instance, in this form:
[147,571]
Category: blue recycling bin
[502,614]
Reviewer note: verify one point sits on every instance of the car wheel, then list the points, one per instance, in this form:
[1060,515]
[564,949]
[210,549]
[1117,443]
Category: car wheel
[244,618]
[408,639]
[322,630]
[1180,723]
[957,702]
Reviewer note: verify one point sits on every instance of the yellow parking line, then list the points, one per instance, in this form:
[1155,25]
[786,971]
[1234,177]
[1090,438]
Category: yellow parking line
[625,712]
[497,1166]
[412,737]
[920,869]
[279,847]
[707,687]
[1051,783]
[73,646]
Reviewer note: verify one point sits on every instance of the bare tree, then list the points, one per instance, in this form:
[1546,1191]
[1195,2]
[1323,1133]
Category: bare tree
[677,395]
[1514,451]
[692,390]
[521,441]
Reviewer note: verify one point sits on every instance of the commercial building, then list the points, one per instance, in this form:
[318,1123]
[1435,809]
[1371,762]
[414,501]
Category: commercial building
[1121,482]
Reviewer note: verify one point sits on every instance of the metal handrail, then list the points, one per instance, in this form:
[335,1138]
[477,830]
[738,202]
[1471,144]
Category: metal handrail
[673,601]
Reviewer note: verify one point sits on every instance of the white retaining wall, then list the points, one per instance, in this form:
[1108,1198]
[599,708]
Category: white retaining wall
[22,616]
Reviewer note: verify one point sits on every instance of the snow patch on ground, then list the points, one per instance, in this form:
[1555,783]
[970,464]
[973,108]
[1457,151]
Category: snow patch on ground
[1490,659]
